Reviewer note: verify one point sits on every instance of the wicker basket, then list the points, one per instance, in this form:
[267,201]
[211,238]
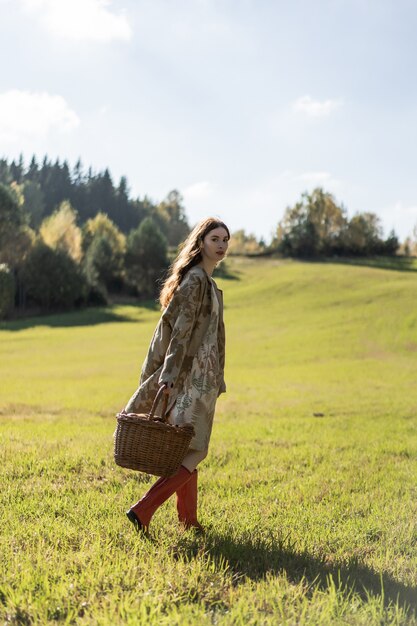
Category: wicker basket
[146,443]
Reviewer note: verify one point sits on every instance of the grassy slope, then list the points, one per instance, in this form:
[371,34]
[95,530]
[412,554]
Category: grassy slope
[307,515]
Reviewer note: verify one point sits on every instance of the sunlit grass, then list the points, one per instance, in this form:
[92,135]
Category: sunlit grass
[309,491]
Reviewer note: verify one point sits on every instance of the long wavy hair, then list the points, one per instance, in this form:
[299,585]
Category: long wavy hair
[189,255]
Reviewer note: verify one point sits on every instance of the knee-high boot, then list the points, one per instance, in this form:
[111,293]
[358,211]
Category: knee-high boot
[140,514]
[187,503]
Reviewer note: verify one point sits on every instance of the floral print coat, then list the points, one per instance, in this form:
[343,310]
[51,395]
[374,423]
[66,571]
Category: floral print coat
[177,338]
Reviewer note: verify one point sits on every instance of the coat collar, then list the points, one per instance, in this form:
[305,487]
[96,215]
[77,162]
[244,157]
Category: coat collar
[201,270]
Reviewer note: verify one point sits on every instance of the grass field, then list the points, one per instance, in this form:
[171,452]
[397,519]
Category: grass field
[309,493]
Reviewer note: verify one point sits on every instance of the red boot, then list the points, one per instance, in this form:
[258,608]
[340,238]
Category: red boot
[187,503]
[140,514]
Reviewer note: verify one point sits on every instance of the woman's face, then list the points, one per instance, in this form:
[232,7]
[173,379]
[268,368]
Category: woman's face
[215,244]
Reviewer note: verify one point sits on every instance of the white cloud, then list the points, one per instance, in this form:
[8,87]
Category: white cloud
[80,19]
[198,191]
[400,216]
[314,178]
[316,108]
[24,114]
[202,199]
[407,210]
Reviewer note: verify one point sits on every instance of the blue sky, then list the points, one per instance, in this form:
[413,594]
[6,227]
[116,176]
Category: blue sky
[241,105]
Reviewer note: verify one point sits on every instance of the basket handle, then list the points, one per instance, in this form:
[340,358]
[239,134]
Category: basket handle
[158,397]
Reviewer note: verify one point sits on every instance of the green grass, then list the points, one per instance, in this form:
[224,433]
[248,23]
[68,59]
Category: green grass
[309,491]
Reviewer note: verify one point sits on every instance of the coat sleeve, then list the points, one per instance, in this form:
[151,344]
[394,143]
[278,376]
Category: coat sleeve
[221,342]
[222,354]
[183,309]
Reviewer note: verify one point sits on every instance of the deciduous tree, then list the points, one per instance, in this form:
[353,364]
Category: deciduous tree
[104,249]
[60,231]
[146,258]
[52,279]
[15,236]
[312,227]
[171,218]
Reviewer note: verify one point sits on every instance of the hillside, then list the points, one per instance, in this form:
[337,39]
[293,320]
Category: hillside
[308,492]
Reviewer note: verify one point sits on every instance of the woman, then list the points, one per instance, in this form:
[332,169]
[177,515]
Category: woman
[186,356]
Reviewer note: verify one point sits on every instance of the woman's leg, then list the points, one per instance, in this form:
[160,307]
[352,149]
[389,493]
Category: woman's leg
[187,493]
[140,514]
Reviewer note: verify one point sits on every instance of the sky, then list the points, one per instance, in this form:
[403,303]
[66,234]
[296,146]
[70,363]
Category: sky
[240,105]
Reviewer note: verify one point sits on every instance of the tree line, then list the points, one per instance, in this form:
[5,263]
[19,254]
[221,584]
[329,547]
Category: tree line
[40,188]
[70,237]
[317,227]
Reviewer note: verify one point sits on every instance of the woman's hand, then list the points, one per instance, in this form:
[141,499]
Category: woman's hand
[166,388]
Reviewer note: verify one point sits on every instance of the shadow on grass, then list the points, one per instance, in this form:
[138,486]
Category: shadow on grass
[85,317]
[254,559]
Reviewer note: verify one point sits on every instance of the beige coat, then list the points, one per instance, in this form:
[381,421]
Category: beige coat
[176,340]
